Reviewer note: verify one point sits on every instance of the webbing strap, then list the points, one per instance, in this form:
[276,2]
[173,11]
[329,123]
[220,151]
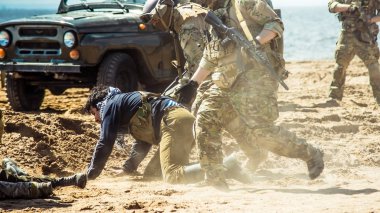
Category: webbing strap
[242,22]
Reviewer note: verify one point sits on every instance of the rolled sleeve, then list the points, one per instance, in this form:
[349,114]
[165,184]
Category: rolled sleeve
[261,13]
[206,64]
[331,5]
[275,26]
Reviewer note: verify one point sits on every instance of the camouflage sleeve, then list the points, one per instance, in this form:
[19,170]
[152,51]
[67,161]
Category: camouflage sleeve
[331,5]
[207,62]
[260,12]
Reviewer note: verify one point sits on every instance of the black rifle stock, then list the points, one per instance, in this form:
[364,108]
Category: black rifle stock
[242,42]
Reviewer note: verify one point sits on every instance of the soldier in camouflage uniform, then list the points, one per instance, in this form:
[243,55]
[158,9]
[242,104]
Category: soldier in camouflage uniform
[16,183]
[187,21]
[243,89]
[358,37]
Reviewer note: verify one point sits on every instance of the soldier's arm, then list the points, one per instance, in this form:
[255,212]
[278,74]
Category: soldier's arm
[374,19]
[105,144]
[262,13]
[265,36]
[336,7]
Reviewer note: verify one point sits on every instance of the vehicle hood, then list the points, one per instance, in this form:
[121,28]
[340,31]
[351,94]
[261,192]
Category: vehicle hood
[81,20]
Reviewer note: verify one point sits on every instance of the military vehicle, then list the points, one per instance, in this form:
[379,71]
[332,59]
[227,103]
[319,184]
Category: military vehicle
[85,43]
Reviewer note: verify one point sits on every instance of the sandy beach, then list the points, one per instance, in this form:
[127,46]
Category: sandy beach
[59,141]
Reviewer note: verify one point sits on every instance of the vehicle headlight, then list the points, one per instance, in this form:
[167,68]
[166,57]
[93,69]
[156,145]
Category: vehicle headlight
[5,38]
[69,39]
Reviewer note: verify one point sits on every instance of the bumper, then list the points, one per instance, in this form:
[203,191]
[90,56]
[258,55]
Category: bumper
[40,67]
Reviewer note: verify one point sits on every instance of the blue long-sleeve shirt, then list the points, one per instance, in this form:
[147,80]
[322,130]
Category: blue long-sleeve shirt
[117,113]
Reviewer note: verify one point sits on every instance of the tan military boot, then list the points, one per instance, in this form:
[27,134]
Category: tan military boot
[316,164]
[234,169]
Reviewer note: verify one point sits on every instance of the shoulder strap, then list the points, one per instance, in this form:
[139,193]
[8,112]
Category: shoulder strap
[242,22]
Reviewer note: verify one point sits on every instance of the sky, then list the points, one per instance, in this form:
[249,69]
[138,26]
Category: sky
[54,3]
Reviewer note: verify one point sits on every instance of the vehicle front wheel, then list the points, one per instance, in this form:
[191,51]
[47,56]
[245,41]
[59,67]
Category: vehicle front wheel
[22,96]
[118,70]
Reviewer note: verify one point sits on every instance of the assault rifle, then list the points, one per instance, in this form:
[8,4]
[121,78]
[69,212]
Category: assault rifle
[242,42]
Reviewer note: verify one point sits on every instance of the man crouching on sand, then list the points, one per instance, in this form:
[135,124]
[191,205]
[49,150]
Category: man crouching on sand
[153,119]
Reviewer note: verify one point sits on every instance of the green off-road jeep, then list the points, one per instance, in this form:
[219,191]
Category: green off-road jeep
[85,43]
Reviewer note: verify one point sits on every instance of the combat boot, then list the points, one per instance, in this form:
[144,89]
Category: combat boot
[11,167]
[40,190]
[193,173]
[79,180]
[315,165]
[234,170]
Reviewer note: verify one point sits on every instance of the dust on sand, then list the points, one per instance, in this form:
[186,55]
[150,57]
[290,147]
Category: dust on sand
[59,140]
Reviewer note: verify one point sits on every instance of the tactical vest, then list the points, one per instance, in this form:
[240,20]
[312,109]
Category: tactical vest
[230,62]
[224,52]
[141,124]
[356,22]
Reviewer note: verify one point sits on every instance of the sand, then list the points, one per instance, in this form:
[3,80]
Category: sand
[59,141]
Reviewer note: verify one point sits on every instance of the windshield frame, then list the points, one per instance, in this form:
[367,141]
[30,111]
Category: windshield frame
[91,6]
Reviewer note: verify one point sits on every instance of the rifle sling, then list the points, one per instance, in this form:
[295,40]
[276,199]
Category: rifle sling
[178,54]
[242,22]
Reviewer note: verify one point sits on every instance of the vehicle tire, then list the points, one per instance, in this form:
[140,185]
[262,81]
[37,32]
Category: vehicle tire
[118,70]
[23,96]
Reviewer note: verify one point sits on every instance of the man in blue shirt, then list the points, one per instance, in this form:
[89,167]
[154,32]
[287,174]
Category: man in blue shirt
[153,119]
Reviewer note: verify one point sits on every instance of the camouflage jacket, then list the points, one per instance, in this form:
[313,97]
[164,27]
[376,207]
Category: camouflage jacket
[258,15]
[352,21]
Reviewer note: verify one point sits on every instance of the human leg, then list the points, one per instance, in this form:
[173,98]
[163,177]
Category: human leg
[9,190]
[256,154]
[369,53]
[176,143]
[285,143]
[11,172]
[137,154]
[344,53]
[213,113]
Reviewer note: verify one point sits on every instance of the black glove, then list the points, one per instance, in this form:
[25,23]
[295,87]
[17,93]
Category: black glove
[146,17]
[186,93]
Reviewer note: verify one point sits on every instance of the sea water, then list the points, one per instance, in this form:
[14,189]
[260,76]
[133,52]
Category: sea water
[310,32]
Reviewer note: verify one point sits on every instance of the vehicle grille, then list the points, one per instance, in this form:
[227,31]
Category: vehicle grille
[37,48]
[46,32]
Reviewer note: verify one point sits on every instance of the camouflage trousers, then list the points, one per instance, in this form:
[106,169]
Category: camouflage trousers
[13,185]
[236,128]
[10,190]
[176,143]
[252,107]
[347,47]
